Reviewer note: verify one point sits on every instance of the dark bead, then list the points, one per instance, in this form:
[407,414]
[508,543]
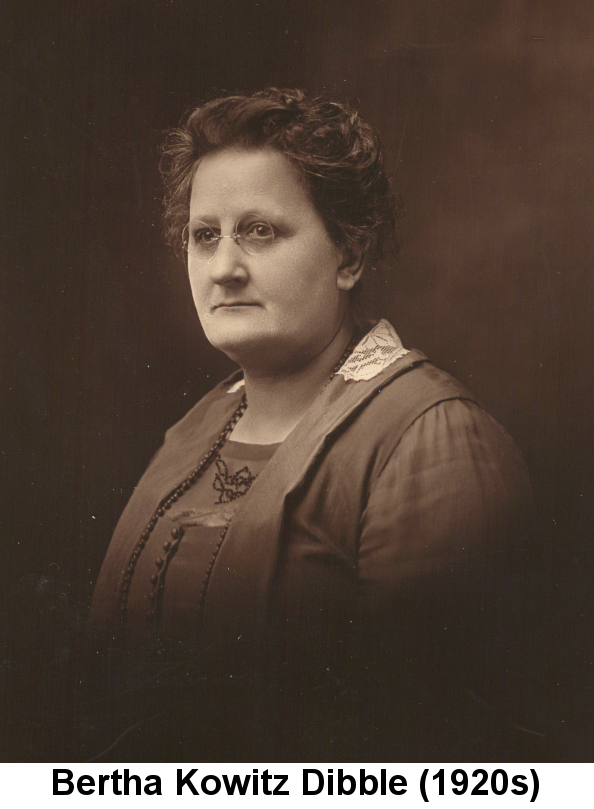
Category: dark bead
[154,578]
[160,512]
[159,562]
[152,595]
[166,546]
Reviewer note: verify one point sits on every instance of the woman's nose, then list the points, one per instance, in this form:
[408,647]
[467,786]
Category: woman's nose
[229,263]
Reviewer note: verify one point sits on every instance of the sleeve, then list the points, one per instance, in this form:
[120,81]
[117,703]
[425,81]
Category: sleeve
[453,495]
[443,573]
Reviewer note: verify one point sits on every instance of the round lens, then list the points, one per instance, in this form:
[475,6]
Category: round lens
[200,240]
[255,235]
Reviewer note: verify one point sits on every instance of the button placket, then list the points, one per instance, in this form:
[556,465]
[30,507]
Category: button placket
[157,579]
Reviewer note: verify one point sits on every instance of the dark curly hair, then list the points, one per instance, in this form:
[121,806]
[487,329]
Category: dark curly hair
[337,154]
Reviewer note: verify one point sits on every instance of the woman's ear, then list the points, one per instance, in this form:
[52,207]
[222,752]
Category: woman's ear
[351,268]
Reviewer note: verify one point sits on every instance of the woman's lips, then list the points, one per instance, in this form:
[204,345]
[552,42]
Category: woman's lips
[232,305]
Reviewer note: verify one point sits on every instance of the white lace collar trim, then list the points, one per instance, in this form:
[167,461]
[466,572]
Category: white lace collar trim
[379,348]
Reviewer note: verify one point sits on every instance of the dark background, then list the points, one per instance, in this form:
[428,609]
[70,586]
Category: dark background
[486,109]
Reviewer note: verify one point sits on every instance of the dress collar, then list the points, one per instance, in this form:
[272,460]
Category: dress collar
[379,348]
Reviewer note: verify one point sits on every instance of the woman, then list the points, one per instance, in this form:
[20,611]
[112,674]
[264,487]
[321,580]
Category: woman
[315,563]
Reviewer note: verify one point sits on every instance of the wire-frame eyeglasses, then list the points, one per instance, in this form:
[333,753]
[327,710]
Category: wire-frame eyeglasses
[253,235]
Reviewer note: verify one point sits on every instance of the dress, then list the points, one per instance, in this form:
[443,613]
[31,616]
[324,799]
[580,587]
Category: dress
[361,601]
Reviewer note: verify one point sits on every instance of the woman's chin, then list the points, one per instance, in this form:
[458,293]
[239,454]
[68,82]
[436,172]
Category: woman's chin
[236,341]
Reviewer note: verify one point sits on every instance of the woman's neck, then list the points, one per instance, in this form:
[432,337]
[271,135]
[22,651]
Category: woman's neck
[278,401]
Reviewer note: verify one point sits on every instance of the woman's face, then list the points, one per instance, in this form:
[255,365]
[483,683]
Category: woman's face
[278,309]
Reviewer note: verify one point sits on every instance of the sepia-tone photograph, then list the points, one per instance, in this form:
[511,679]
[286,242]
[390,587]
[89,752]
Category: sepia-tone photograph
[298,455]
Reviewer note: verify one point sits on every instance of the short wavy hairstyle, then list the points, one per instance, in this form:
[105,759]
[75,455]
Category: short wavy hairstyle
[337,154]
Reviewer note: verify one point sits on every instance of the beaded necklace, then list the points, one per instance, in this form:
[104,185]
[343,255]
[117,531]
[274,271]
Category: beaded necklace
[170,547]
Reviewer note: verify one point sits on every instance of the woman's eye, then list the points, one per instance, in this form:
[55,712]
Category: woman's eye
[204,236]
[259,230]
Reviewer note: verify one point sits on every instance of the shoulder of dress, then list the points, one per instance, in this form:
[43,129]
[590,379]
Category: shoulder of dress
[380,358]
[413,384]
[431,413]
[401,395]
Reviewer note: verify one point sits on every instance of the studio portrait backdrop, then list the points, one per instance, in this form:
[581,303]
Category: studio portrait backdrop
[485,109]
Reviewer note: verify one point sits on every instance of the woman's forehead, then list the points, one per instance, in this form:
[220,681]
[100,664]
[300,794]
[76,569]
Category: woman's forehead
[227,181]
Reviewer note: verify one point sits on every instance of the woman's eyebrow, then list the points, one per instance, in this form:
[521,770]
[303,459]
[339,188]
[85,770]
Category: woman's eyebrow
[275,217]
[198,220]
